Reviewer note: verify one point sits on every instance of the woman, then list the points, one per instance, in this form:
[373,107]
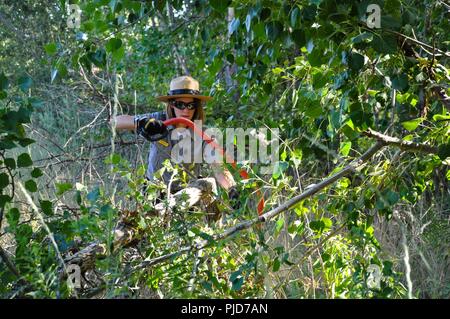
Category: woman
[183,101]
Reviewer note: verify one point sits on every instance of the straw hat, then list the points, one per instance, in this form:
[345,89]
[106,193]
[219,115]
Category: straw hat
[184,86]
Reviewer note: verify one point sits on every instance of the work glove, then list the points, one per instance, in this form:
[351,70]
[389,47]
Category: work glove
[151,129]
[233,196]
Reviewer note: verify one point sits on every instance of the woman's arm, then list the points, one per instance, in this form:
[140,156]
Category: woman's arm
[124,122]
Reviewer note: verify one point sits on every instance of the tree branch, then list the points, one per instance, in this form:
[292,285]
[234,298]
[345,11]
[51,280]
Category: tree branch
[354,165]
[403,145]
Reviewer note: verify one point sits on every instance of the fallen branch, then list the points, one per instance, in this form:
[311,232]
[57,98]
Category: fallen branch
[198,192]
[353,166]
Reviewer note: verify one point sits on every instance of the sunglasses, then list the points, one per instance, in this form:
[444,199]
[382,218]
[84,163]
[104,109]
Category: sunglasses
[181,105]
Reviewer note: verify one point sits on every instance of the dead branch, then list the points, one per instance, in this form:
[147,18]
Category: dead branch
[198,192]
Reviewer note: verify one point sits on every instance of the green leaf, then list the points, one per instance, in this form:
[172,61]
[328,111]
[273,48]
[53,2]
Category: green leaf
[112,4]
[400,82]
[280,167]
[440,117]
[31,186]
[10,163]
[4,199]
[118,54]
[220,5]
[319,80]
[265,14]
[230,58]
[412,124]
[444,151]
[46,207]
[62,188]
[299,38]
[106,211]
[93,195]
[384,43]
[276,265]
[77,197]
[345,148]
[363,37]
[4,180]
[114,159]
[390,22]
[24,82]
[295,17]
[321,225]
[237,284]
[273,30]
[36,172]
[26,141]
[355,61]
[327,222]
[98,57]
[392,197]
[4,83]
[24,160]
[279,225]
[35,102]
[314,110]
[23,234]
[13,216]
[50,48]
[309,12]
[317,57]
[113,44]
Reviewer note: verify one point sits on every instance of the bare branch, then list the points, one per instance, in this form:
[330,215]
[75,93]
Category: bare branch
[404,145]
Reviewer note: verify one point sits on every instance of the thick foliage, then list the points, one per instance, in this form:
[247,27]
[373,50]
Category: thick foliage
[313,69]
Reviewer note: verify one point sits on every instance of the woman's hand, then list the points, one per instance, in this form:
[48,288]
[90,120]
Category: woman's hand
[151,129]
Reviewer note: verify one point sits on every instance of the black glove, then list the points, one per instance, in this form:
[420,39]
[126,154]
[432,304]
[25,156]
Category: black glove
[151,129]
[233,196]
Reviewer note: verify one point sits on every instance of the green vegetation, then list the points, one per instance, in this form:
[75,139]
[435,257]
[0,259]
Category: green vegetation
[312,68]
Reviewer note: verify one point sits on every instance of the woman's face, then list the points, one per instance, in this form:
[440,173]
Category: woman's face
[188,114]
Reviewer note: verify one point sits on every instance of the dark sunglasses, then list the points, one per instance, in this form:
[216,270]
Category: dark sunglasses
[181,105]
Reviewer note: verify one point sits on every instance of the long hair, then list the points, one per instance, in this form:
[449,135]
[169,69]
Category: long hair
[198,115]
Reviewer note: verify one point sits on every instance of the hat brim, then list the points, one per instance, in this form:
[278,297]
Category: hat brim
[165,98]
